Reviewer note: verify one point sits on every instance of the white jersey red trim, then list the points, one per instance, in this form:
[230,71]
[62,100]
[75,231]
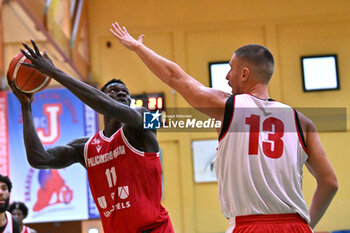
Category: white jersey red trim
[9,225]
[260,159]
[25,229]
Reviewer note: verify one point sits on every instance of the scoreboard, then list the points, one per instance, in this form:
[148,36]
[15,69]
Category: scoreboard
[152,102]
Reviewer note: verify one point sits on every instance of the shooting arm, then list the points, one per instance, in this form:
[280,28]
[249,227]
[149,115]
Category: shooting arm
[98,100]
[38,157]
[91,96]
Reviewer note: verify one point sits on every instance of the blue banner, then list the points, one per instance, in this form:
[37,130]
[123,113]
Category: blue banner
[51,195]
[4,150]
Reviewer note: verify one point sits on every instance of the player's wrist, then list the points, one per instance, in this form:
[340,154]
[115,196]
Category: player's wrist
[26,105]
[54,72]
[137,46]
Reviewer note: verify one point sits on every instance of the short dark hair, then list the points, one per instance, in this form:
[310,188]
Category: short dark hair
[19,205]
[261,57]
[110,82]
[7,181]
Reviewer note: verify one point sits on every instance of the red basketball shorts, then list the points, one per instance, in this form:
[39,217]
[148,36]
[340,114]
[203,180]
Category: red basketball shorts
[271,223]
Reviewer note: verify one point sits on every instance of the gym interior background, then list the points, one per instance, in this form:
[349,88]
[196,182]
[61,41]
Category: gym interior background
[192,33]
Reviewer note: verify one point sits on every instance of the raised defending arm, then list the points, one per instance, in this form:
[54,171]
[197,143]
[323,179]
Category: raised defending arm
[209,101]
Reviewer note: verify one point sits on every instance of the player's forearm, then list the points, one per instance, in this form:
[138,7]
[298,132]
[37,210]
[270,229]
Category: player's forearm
[34,149]
[323,196]
[97,100]
[91,96]
[167,71]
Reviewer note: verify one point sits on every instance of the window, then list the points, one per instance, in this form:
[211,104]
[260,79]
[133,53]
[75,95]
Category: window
[217,73]
[320,72]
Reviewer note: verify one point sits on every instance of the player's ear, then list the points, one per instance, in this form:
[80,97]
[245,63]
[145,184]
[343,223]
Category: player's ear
[245,74]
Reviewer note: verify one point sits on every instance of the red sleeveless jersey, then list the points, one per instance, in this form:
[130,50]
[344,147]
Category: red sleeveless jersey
[125,184]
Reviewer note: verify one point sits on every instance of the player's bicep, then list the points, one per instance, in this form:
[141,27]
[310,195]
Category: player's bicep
[64,156]
[132,117]
[207,100]
[317,162]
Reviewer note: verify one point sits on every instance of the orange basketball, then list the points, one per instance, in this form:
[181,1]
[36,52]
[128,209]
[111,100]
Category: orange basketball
[26,79]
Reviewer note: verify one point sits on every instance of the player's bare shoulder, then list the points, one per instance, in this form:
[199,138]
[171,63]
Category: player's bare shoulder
[142,111]
[309,131]
[79,142]
[78,145]
[140,138]
[306,124]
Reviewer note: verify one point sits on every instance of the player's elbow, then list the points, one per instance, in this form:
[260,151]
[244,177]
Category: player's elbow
[331,183]
[174,74]
[33,163]
[36,163]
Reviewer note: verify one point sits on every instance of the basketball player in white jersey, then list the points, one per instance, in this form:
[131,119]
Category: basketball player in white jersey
[263,143]
[8,224]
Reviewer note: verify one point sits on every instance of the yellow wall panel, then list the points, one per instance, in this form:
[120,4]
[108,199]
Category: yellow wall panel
[295,40]
[172,198]
[115,61]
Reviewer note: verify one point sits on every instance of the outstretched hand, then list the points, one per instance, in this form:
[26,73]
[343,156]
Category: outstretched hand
[124,37]
[40,62]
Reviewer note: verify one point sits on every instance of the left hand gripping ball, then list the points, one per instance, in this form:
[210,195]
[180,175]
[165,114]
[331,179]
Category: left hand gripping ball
[26,79]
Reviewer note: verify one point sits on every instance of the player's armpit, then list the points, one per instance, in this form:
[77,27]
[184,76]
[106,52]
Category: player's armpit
[79,145]
[206,100]
[62,156]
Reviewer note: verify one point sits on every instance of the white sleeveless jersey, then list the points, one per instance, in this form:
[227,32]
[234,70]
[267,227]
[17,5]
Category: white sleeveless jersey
[26,229]
[9,225]
[260,158]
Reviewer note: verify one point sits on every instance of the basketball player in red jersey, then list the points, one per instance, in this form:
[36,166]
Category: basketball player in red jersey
[263,144]
[122,160]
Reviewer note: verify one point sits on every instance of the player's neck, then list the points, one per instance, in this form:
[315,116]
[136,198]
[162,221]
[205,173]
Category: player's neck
[111,126]
[259,90]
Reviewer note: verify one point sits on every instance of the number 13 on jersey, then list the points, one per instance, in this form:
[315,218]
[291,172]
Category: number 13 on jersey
[273,146]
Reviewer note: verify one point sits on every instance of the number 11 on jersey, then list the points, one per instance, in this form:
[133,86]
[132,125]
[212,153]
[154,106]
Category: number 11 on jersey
[111,177]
